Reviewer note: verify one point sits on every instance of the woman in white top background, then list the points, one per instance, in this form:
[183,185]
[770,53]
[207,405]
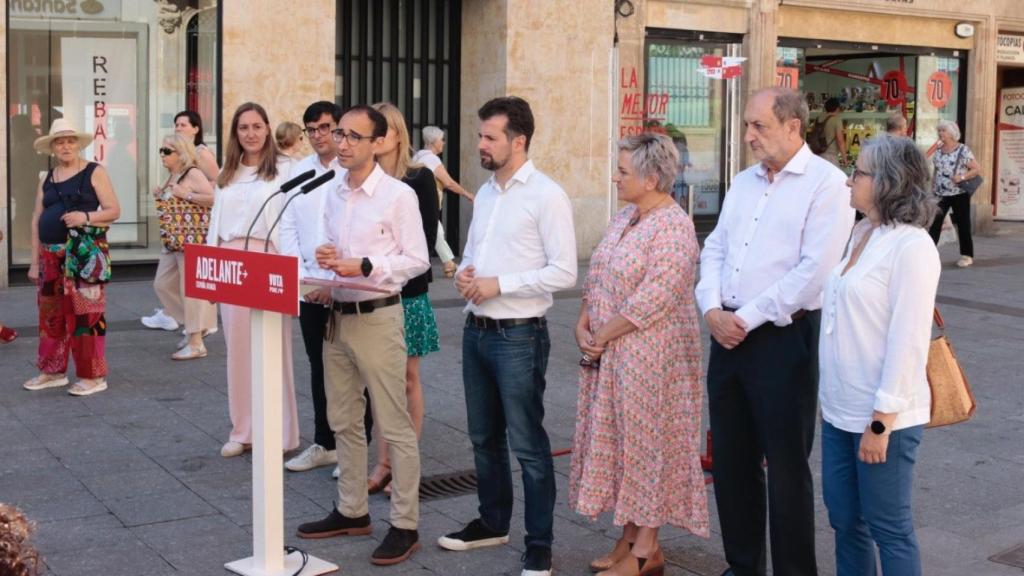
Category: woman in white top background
[875,333]
[430,156]
[253,170]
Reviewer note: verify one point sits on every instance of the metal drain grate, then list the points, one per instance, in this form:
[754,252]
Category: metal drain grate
[1012,557]
[441,486]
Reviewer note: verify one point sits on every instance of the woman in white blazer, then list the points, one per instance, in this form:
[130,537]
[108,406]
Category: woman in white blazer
[253,170]
[875,332]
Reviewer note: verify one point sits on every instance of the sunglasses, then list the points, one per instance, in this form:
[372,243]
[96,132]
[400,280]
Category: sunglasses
[167,151]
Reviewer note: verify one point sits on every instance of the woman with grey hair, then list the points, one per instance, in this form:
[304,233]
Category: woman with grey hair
[954,163]
[430,156]
[637,443]
[875,333]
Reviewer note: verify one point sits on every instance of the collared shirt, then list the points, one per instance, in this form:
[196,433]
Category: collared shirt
[379,220]
[302,223]
[776,242]
[524,235]
[235,206]
[876,330]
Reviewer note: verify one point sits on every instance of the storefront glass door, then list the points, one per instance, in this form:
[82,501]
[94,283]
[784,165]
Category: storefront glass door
[698,111]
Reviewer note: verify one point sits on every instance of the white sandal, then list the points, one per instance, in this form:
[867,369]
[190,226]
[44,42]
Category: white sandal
[79,390]
[44,381]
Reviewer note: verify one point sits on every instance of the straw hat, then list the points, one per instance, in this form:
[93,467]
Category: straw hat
[61,127]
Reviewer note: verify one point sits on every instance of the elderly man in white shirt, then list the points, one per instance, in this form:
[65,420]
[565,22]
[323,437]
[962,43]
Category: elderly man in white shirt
[521,249]
[301,232]
[374,239]
[783,226]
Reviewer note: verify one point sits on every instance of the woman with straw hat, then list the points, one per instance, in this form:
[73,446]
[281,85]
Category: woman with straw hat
[75,201]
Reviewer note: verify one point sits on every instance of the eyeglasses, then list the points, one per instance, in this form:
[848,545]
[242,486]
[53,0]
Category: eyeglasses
[167,151]
[353,138]
[321,130]
[857,173]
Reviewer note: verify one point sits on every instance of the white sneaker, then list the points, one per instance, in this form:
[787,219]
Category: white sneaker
[160,321]
[313,457]
[965,261]
[336,473]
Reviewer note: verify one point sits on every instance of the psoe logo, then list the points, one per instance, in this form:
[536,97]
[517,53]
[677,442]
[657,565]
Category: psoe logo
[276,283]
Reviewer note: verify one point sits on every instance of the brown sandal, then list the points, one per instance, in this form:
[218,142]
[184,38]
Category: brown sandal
[622,548]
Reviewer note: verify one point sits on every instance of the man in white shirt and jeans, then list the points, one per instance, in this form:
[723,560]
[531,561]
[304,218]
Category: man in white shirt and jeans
[301,232]
[782,229]
[521,249]
[375,239]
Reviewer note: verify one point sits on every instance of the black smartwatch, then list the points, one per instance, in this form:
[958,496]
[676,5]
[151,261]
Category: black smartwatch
[877,427]
[366,267]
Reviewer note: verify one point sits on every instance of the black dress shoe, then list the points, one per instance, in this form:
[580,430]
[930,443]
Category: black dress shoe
[336,524]
[397,546]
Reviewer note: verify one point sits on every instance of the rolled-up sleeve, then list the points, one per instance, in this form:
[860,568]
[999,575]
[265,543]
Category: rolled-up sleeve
[558,235]
[413,258]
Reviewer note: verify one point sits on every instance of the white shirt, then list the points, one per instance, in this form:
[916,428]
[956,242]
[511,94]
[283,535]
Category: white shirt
[235,206]
[775,242]
[524,235]
[876,330]
[379,220]
[428,159]
[302,223]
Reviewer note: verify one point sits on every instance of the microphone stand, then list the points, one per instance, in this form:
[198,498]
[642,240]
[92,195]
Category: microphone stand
[248,233]
[266,245]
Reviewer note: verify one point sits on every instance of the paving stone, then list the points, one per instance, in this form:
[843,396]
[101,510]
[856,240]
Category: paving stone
[163,507]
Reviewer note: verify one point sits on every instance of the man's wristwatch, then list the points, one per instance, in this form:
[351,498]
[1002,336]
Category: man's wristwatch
[877,427]
[366,267]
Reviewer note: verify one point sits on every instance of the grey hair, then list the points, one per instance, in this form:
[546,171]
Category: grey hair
[431,134]
[900,179]
[788,104]
[653,155]
[894,121]
[951,127]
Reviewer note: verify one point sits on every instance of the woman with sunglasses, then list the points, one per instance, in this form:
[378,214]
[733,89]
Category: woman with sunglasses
[253,171]
[187,183]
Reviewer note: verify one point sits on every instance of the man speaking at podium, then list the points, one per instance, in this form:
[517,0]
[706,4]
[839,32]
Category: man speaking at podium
[374,238]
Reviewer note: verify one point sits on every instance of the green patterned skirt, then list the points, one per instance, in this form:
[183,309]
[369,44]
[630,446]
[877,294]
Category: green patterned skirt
[420,326]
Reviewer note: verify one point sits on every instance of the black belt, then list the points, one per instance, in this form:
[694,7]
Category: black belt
[484,323]
[366,306]
[796,315]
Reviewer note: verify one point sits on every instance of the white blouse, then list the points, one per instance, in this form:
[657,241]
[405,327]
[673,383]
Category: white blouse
[235,206]
[876,329]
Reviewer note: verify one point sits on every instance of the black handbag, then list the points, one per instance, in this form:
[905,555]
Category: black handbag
[971,185]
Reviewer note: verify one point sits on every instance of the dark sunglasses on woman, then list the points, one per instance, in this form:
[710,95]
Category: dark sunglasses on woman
[166,151]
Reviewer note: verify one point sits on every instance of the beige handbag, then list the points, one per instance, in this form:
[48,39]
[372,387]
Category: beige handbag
[952,399]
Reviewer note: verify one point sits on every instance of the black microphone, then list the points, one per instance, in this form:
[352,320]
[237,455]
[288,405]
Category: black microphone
[292,183]
[305,189]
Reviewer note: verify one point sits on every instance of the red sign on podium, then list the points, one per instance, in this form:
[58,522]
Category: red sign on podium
[252,279]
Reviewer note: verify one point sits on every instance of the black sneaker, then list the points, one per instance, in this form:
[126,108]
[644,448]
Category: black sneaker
[537,561]
[474,535]
[336,524]
[397,546]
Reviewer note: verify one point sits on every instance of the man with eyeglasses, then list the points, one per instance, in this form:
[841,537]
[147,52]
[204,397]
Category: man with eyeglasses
[782,229]
[374,238]
[301,232]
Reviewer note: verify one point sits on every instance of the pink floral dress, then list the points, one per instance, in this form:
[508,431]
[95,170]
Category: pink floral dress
[637,446]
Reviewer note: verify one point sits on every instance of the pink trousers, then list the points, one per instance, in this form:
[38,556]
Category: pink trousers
[237,333]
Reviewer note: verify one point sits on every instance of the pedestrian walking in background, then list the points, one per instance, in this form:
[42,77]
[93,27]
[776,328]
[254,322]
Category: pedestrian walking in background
[783,226]
[301,231]
[253,170]
[75,205]
[520,251]
[394,154]
[954,163]
[430,156]
[636,450]
[185,184]
[876,331]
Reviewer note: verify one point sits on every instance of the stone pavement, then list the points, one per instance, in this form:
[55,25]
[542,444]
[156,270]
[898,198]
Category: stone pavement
[130,481]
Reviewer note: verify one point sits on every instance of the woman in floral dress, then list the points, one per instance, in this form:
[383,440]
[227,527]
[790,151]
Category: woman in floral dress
[637,443]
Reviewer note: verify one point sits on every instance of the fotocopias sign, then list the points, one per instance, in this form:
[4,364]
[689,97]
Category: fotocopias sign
[252,279]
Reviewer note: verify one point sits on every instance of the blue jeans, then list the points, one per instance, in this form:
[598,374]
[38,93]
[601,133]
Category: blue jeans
[869,504]
[503,374]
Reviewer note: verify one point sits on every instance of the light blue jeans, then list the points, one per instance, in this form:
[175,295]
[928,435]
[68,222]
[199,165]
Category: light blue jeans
[869,504]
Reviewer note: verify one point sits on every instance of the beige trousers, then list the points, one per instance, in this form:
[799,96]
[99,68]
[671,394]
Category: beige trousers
[169,286]
[368,351]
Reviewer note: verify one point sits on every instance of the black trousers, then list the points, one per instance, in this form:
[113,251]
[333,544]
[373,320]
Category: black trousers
[312,320]
[961,206]
[762,398]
